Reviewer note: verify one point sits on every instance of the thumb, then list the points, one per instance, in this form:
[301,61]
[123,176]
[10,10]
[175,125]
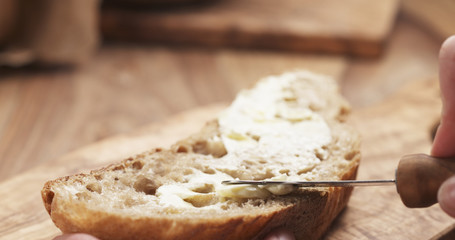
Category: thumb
[446,196]
[76,236]
[445,136]
[280,234]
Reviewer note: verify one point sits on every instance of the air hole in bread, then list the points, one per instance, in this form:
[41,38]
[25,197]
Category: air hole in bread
[261,175]
[138,165]
[211,147]
[231,172]
[202,200]
[118,167]
[206,188]
[82,196]
[145,185]
[319,155]
[131,201]
[284,171]
[50,197]
[216,148]
[94,187]
[182,149]
[188,171]
[305,170]
[248,162]
[98,177]
[254,137]
[200,147]
[256,202]
[158,149]
[290,99]
[269,174]
[314,107]
[208,170]
[344,111]
[349,156]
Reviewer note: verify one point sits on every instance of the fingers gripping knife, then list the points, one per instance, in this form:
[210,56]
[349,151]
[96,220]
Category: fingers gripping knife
[418,178]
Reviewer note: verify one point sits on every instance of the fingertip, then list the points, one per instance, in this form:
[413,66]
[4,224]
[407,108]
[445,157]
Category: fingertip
[76,236]
[445,136]
[448,43]
[446,61]
[446,131]
[446,196]
[280,234]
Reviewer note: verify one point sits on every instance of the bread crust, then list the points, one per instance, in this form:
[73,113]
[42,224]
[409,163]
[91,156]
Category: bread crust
[308,216]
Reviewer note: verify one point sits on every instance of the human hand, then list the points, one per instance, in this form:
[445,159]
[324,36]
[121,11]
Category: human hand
[445,136]
[76,236]
[280,234]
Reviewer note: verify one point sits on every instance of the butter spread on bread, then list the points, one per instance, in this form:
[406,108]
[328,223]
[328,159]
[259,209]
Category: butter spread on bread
[253,130]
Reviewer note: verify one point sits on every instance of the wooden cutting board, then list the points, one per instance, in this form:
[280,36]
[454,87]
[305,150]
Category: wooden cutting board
[355,27]
[395,127]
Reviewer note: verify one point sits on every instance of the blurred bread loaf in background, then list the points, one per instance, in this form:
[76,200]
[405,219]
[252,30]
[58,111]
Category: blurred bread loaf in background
[47,31]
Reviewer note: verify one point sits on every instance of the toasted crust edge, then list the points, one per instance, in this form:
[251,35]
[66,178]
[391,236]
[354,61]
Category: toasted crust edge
[308,217]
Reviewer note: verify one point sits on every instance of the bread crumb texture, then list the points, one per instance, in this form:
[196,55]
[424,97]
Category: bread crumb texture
[287,127]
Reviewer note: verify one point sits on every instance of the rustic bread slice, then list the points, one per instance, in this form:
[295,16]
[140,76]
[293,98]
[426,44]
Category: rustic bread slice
[288,127]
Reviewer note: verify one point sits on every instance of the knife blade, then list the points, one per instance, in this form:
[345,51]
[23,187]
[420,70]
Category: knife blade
[417,179]
[339,183]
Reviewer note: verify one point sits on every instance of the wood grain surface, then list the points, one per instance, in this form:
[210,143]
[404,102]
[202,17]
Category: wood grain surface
[389,130]
[411,55]
[355,27]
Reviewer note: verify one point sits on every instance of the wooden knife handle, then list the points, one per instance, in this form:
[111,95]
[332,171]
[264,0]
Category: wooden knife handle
[419,177]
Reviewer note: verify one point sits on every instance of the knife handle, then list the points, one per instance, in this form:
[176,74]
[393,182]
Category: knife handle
[419,176]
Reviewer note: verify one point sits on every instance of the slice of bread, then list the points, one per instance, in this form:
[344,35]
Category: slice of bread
[287,127]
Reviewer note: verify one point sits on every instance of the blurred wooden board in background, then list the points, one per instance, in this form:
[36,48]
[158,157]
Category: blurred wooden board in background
[437,16]
[354,27]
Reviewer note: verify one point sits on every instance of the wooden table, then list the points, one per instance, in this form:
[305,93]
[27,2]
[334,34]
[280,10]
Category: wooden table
[45,113]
